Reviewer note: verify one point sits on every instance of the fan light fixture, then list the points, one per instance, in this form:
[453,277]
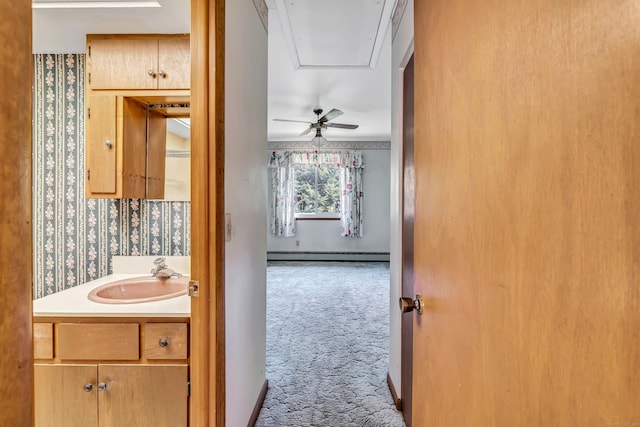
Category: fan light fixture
[319,141]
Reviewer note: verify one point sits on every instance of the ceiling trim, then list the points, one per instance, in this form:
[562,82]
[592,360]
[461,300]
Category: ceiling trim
[263,13]
[331,145]
[401,5]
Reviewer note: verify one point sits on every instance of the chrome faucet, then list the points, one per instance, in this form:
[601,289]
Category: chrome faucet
[162,271]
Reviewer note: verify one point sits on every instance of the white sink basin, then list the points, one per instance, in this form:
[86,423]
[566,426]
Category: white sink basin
[139,289]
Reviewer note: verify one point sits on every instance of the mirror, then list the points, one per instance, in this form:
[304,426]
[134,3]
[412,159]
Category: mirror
[177,179]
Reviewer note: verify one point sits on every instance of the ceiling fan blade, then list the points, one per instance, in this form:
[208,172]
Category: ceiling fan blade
[330,115]
[309,129]
[341,126]
[294,121]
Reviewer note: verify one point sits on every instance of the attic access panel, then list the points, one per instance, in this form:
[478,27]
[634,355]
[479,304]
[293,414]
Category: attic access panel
[334,33]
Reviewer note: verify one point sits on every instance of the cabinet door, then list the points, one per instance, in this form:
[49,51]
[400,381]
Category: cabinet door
[174,63]
[143,395]
[101,145]
[127,63]
[60,396]
[134,149]
[156,154]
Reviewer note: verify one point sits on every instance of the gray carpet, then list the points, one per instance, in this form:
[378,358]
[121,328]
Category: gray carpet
[327,345]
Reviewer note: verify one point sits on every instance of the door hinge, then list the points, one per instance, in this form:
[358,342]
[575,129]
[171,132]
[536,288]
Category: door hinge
[89,50]
[88,113]
[189,388]
[89,77]
[88,174]
[194,288]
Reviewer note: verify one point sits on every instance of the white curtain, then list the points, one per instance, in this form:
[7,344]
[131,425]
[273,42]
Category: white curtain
[282,165]
[283,222]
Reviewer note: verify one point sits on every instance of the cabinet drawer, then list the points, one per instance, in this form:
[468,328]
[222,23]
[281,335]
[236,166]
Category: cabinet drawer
[43,340]
[94,341]
[165,341]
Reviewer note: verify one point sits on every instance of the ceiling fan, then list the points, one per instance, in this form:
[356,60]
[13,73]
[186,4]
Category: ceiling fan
[321,123]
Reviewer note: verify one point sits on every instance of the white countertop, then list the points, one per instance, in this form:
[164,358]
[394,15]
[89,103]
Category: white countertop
[74,303]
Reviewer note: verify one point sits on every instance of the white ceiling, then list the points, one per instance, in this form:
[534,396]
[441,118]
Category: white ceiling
[64,30]
[331,54]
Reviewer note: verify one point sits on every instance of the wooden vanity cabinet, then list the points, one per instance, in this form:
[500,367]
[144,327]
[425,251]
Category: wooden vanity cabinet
[111,372]
[137,62]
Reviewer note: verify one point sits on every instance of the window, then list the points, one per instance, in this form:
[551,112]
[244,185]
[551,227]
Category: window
[317,191]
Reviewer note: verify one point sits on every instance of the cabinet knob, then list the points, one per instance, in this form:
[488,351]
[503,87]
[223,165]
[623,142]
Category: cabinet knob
[108,143]
[163,342]
[162,74]
[88,387]
[102,386]
[152,73]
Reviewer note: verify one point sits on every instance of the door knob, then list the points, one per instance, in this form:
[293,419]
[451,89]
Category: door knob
[408,304]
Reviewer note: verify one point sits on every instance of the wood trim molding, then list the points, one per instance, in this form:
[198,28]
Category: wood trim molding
[259,402]
[394,395]
[16,262]
[207,213]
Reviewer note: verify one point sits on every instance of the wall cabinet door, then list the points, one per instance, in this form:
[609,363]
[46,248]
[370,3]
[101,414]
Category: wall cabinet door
[134,63]
[101,145]
[122,63]
[116,147]
[174,63]
[65,395]
[143,395]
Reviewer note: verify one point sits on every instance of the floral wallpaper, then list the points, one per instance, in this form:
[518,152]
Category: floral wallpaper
[75,237]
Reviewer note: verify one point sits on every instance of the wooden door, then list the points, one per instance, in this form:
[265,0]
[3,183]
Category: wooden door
[101,145]
[174,63]
[408,200]
[122,63]
[527,160]
[143,395]
[66,395]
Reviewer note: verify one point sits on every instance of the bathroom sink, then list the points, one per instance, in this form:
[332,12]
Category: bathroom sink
[139,289]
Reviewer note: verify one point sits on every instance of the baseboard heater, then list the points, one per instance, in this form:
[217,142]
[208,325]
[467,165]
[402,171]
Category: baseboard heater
[328,256]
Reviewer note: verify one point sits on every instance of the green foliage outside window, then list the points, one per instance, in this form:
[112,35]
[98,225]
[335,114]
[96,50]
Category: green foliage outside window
[317,190]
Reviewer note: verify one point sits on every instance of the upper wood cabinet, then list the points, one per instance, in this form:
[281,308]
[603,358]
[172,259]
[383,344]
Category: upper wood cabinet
[138,62]
[133,83]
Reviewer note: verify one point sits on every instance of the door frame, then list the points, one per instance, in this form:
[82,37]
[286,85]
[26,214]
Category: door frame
[207,359]
[406,335]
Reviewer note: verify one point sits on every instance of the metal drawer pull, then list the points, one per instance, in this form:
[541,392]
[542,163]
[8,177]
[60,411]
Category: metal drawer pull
[88,387]
[102,386]
[163,342]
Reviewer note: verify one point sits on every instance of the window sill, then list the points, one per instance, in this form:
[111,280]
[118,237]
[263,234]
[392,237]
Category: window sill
[317,218]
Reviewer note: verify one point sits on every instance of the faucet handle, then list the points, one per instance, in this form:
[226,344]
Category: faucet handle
[159,262]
